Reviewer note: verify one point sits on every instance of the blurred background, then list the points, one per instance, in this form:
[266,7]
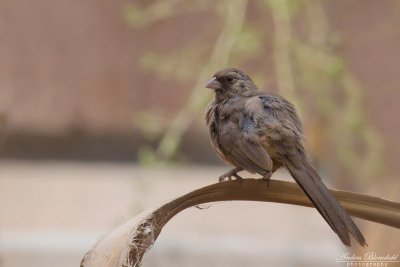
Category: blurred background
[102,116]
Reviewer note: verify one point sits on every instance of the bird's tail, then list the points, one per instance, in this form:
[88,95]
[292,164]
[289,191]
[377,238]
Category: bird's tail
[325,202]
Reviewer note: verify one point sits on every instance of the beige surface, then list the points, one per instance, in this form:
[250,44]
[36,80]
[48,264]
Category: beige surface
[57,210]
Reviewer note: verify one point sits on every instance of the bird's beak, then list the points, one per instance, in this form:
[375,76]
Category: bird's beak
[213,84]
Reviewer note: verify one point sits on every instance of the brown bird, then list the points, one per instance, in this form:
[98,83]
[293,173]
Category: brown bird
[260,133]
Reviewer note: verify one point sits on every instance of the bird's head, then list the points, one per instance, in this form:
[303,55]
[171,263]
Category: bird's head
[230,83]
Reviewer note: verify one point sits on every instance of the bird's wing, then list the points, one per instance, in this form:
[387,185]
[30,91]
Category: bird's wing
[279,123]
[278,126]
[238,140]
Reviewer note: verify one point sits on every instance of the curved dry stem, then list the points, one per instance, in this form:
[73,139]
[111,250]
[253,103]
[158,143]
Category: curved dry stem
[127,245]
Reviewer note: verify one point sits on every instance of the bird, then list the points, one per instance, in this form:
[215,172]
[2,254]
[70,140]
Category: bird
[261,132]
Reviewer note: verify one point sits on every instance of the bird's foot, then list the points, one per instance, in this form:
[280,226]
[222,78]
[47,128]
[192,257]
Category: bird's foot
[230,174]
[267,178]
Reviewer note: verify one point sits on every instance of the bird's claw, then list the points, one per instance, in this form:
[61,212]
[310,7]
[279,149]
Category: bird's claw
[267,178]
[230,177]
[230,174]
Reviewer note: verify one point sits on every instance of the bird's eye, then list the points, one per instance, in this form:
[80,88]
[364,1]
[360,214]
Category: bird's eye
[229,79]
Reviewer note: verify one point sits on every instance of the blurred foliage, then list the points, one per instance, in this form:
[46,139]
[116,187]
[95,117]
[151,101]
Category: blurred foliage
[150,123]
[308,71]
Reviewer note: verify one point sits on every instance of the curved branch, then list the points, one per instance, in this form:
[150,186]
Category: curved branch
[126,245]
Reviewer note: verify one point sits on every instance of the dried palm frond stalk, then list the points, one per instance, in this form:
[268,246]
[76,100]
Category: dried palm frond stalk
[126,245]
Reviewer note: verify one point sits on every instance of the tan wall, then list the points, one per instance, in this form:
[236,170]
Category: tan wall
[75,65]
